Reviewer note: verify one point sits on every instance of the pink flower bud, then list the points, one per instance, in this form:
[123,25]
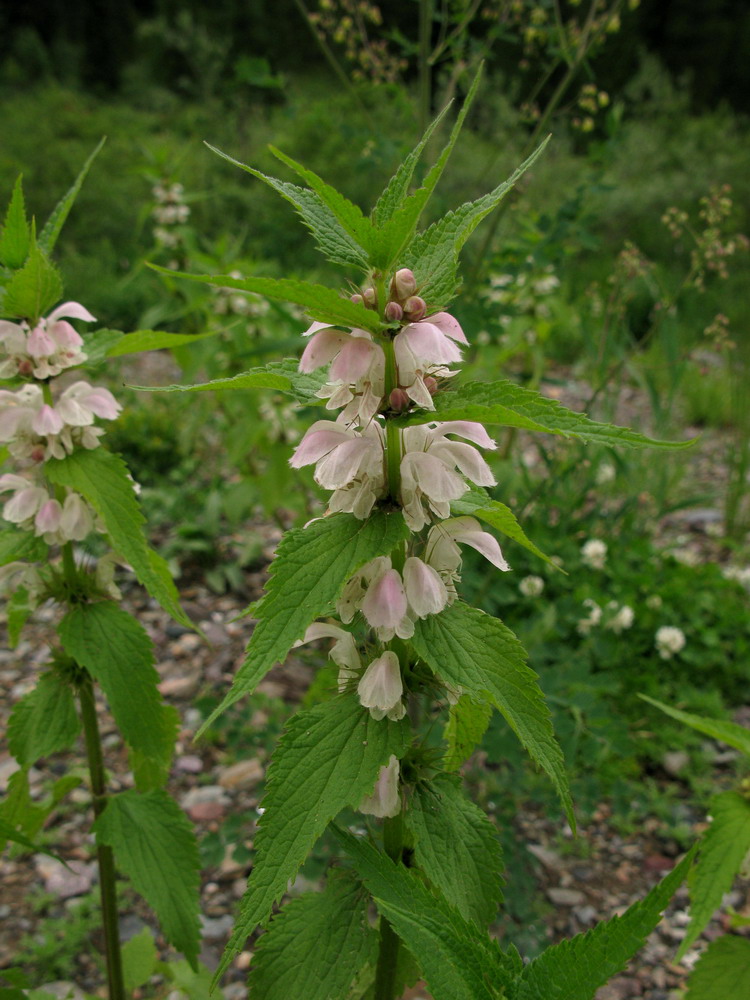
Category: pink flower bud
[430,384]
[25,367]
[403,284]
[384,604]
[415,308]
[48,517]
[357,299]
[393,312]
[371,298]
[399,400]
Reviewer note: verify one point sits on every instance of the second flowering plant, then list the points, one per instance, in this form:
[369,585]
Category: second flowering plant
[402,453]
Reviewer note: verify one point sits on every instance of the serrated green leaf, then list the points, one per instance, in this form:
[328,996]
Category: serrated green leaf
[727,732]
[458,961]
[102,478]
[150,340]
[433,255]
[281,376]
[467,723]
[394,236]
[721,852]
[316,945]
[195,984]
[152,772]
[18,610]
[575,969]
[53,225]
[18,810]
[21,546]
[44,721]
[397,188]
[480,655]
[512,405]
[155,847]
[323,304]
[139,957]
[457,848]
[15,239]
[311,566]
[98,343]
[327,759]
[333,239]
[8,832]
[722,971]
[477,503]
[118,653]
[34,289]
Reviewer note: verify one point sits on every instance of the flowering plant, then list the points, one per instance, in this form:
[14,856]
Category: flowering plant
[63,487]
[379,575]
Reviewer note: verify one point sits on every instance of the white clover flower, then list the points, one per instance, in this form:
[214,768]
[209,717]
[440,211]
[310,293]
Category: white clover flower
[605,473]
[594,617]
[654,602]
[669,641]
[531,586]
[385,800]
[685,556]
[741,574]
[594,553]
[621,620]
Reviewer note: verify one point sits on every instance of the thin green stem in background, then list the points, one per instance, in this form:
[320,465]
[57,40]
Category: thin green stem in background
[105,857]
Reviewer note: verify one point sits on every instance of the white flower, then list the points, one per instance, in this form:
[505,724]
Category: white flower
[654,602]
[669,640]
[605,473]
[381,688]
[343,652]
[531,586]
[49,348]
[621,620]
[594,553]
[739,573]
[594,617]
[385,800]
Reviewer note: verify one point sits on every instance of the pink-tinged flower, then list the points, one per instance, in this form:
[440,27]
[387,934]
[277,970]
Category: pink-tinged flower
[385,800]
[425,590]
[81,402]
[47,520]
[343,652]
[340,453]
[49,348]
[442,551]
[384,606]
[77,520]
[24,505]
[381,688]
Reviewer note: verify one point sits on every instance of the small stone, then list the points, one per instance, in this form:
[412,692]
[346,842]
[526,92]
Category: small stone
[75,880]
[8,766]
[63,990]
[205,803]
[217,928]
[566,897]
[242,776]
[585,914]
[180,687]
[204,812]
[235,991]
[621,988]
[243,960]
[189,764]
[550,859]
[675,761]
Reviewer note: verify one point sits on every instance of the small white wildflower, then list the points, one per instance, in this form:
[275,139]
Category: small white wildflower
[605,473]
[594,553]
[669,640]
[687,557]
[621,620]
[654,602]
[739,573]
[594,617]
[531,586]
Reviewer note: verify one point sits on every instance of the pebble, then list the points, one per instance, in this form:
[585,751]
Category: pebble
[216,928]
[621,988]
[675,761]
[243,775]
[566,897]
[181,687]
[243,960]
[75,880]
[189,764]
[63,990]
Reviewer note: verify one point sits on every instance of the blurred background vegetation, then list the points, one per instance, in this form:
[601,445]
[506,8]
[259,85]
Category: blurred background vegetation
[616,278]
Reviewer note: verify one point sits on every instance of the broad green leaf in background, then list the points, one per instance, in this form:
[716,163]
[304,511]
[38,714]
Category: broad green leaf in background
[723,971]
[576,968]
[53,225]
[320,302]
[467,723]
[721,852]
[433,255]
[456,846]
[477,503]
[476,652]
[150,340]
[327,759]
[512,405]
[44,721]
[397,188]
[152,772]
[118,653]
[21,546]
[281,376]
[17,809]
[458,961]
[727,732]
[309,571]
[316,945]
[34,289]
[139,958]
[15,239]
[193,983]
[103,479]
[155,847]
[98,343]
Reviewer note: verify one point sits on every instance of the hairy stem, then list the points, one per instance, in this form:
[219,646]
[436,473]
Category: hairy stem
[104,854]
[385,973]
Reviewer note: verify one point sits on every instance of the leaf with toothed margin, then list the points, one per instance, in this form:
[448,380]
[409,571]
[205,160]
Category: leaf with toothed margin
[312,565]
[477,653]
[53,225]
[512,405]
[281,376]
[327,759]
[476,503]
